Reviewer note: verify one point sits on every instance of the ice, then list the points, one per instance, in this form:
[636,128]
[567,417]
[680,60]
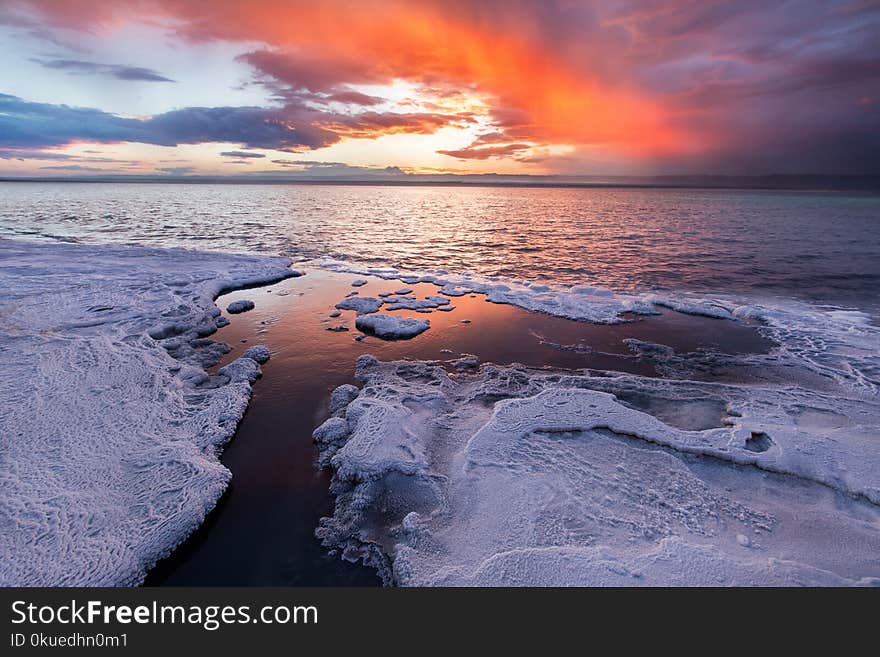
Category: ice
[342,397]
[240,306]
[516,476]
[390,327]
[109,438]
[259,353]
[582,303]
[403,290]
[412,303]
[836,344]
[362,305]
[358,283]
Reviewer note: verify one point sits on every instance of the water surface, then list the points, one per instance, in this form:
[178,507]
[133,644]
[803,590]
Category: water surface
[823,247]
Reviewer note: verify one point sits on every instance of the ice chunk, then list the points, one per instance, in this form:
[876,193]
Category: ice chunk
[466,362]
[358,283]
[342,397]
[240,306]
[259,353]
[362,305]
[412,303]
[391,327]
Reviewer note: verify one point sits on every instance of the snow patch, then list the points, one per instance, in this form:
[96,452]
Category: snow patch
[110,428]
[513,476]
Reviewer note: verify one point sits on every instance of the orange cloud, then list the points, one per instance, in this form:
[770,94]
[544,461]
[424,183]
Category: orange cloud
[533,94]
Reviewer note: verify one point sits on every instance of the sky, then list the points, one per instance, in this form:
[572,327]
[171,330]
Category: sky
[390,88]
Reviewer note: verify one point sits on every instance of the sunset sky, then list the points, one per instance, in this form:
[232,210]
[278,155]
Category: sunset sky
[280,87]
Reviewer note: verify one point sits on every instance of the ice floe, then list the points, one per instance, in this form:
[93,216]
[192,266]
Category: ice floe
[514,476]
[240,306]
[110,427]
[413,303]
[841,345]
[391,327]
[362,305]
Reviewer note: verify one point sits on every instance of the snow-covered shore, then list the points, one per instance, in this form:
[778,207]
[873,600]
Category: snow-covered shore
[110,427]
[514,476]
[749,469]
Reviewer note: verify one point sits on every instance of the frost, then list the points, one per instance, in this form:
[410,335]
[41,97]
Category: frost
[110,427]
[514,476]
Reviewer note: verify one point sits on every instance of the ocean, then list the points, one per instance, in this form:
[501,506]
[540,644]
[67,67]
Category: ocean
[815,246]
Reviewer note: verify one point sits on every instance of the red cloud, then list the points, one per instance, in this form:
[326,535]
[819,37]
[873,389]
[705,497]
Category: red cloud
[652,79]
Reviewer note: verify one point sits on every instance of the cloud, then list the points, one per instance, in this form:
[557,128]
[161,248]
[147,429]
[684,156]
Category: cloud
[70,167]
[92,158]
[79,67]
[329,170]
[473,152]
[33,155]
[242,154]
[723,84]
[176,171]
[31,125]
[309,163]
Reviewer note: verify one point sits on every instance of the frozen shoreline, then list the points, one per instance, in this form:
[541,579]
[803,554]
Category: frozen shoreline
[104,354]
[111,428]
[515,476]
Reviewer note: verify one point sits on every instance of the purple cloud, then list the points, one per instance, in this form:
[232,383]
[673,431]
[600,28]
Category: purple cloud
[80,67]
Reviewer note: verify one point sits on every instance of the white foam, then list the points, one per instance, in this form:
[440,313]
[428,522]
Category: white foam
[109,437]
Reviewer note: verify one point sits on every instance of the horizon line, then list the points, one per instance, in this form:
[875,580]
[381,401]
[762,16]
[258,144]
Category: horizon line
[780,181]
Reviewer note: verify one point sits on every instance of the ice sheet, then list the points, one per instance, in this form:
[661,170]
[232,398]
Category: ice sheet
[511,476]
[110,427]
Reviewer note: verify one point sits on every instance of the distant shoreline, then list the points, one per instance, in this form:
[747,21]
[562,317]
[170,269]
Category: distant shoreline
[867,184]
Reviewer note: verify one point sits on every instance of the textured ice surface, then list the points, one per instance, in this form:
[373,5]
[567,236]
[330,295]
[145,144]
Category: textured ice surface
[110,426]
[260,353]
[413,303]
[512,476]
[240,306]
[363,305]
[578,302]
[391,327]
